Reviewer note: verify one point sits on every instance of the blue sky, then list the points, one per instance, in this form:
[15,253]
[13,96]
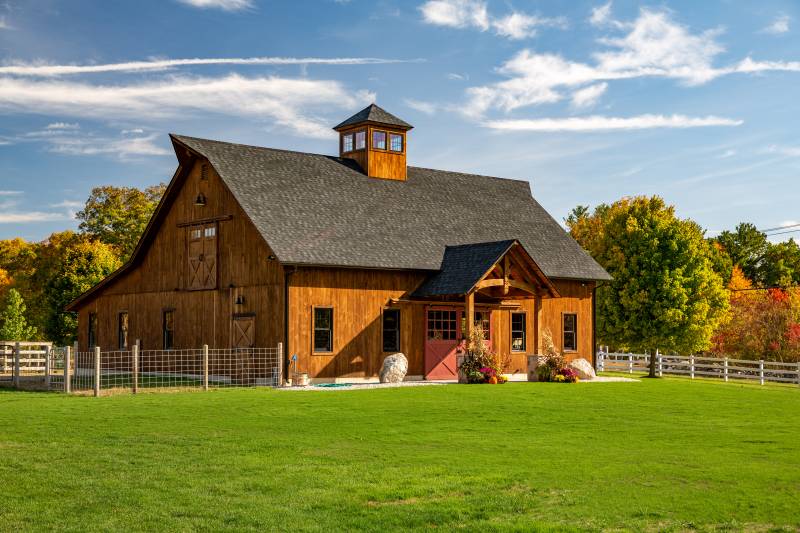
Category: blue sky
[590,101]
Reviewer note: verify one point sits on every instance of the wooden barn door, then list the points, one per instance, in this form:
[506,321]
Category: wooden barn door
[243,337]
[202,253]
[442,339]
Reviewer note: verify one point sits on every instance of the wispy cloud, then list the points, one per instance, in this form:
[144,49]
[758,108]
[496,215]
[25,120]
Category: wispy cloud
[31,216]
[288,102]
[428,108]
[122,148]
[10,193]
[475,14]
[63,126]
[50,70]
[652,45]
[788,151]
[603,123]
[225,5]
[779,25]
[588,96]
[457,77]
[69,204]
[4,24]
[727,153]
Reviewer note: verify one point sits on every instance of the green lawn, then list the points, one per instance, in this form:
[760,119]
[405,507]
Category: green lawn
[658,455]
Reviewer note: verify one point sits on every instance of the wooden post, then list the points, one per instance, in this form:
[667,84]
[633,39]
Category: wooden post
[660,365]
[725,369]
[761,371]
[630,363]
[470,318]
[798,372]
[691,366]
[600,357]
[47,354]
[67,357]
[205,367]
[135,369]
[97,371]
[280,365]
[16,364]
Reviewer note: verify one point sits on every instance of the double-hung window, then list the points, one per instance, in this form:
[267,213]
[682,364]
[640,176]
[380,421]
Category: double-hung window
[391,330]
[517,332]
[323,329]
[570,332]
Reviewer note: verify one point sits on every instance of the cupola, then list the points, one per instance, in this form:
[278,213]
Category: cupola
[377,141]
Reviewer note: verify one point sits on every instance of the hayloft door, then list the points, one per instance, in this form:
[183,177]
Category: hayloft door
[443,337]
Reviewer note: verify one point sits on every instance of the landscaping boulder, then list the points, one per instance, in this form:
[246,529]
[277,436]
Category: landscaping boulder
[583,368]
[394,368]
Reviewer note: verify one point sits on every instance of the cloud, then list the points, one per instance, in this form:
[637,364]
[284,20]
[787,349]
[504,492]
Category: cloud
[601,15]
[69,204]
[603,123]
[456,13]
[653,45]
[226,5]
[457,77]
[49,70]
[727,153]
[122,148]
[62,126]
[588,96]
[133,131]
[10,217]
[10,193]
[475,14]
[424,107]
[4,24]
[287,102]
[780,25]
[521,26]
[788,151]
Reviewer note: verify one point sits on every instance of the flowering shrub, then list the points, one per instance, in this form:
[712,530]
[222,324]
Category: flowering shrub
[482,365]
[555,365]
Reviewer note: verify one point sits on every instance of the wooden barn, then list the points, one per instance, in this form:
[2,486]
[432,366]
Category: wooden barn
[345,260]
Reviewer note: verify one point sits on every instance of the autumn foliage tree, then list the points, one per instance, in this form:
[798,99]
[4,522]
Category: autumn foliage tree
[665,292]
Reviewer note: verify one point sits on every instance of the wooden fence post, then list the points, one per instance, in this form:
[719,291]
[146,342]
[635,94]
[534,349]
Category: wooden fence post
[280,365]
[205,367]
[660,364]
[47,354]
[135,369]
[725,368]
[600,361]
[16,364]
[67,356]
[761,371]
[798,372]
[630,363]
[691,366]
[97,371]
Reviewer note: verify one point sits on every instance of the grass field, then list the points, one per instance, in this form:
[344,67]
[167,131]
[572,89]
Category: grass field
[665,454]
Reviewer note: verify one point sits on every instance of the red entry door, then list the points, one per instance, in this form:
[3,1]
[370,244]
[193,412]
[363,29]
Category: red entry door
[442,339]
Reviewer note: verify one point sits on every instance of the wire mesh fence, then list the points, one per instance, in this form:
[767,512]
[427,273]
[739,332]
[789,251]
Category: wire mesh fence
[98,372]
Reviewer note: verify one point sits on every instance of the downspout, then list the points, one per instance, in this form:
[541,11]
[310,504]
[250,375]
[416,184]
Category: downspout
[594,324]
[286,357]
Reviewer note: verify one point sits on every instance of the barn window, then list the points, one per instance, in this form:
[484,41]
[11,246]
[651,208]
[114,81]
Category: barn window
[379,140]
[347,142]
[323,329]
[122,330]
[361,140]
[391,330]
[202,255]
[482,320]
[92,330]
[570,332]
[395,142]
[517,332]
[204,171]
[168,329]
[442,325]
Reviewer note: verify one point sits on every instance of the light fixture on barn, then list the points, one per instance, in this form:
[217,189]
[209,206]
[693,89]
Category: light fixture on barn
[200,200]
[239,300]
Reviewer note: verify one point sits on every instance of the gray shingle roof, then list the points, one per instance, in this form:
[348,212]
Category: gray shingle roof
[373,113]
[322,210]
[462,267]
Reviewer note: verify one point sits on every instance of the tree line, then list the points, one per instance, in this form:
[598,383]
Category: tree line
[674,289]
[38,279]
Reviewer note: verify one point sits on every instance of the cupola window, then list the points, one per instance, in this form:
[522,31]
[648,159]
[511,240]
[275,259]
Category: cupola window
[347,142]
[395,142]
[379,140]
[361,140]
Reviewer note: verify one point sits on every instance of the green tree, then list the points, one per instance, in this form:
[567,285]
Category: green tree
[781,265]
[70,265]
[665,293]
[119,215]
[747,247]
[13,325]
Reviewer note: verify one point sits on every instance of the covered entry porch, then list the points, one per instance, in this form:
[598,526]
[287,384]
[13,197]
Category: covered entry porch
[476,282]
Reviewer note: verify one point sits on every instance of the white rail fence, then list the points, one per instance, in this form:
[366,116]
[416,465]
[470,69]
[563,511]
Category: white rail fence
[95,372]
[705,367]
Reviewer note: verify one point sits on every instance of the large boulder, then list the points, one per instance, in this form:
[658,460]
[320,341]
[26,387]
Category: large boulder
[394,368]
[583,367]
